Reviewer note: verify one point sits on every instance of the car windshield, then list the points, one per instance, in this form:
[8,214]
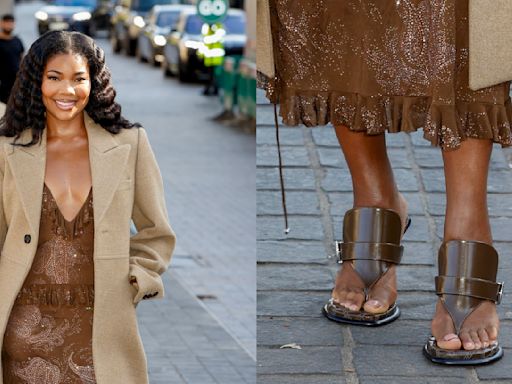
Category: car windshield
[234,24]
[146,5]
[167,19]
[193,25]
[75,3]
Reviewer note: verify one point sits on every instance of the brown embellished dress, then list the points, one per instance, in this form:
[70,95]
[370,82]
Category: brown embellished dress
[383,65]
[48,339]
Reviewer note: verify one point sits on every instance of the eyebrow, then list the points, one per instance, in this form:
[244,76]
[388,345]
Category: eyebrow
[60,73]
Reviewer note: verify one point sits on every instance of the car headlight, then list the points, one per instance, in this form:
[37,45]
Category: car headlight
[139,21]
[159,40]
[81,16]
[193,44]
[41,15]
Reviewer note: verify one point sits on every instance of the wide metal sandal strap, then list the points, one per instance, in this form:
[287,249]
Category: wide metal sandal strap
[467,275]
[465,286]
[372,225]
[390,253]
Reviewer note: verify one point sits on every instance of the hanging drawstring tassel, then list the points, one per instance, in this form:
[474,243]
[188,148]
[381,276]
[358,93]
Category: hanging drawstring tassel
[281,179]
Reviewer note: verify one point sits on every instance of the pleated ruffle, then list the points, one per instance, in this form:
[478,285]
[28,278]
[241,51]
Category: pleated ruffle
[445,126]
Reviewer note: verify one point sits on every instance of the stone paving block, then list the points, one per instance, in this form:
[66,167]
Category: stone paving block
[499,370]
[418,230]
[415,253]
[499,204]
[305,304]
[500,181]
[311,360]
[300,379]
[417,305]
[418,140]
[260,97]
[390,360]
[266,155]
[265,114]
[325,136]
[333,157]
[287,136]
[291,251]
[281,331]
[398,333]
[337,180]
[408,380]
[297,203]
[301,228]
[294,277]
[415,278]
[297,178]
[343,201]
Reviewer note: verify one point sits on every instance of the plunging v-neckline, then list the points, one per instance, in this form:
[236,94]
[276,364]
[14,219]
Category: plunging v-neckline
[58,208]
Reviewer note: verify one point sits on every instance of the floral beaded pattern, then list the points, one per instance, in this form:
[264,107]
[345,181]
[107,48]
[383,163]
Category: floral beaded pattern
[48,339]
[384,65]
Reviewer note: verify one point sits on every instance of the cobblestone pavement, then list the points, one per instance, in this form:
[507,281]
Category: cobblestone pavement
[296,274]
[204,330]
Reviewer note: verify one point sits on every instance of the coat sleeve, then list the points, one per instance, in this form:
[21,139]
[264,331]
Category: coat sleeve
[152,246]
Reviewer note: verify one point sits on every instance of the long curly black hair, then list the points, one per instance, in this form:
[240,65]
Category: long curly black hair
[25,108]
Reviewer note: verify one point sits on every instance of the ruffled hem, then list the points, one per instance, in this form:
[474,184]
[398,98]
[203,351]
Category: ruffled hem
[74,295]
[445,126]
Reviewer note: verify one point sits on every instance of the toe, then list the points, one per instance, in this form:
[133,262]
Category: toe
[355,300]
[492,331]
[449,341]
[484,337]
[475,338]
[467,341]
[375,306]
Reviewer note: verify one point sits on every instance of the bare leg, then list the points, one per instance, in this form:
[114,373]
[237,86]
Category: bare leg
[466,171]
[374,186]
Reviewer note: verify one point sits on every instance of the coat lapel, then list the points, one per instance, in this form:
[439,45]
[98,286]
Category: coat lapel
[107,161]
[28,167]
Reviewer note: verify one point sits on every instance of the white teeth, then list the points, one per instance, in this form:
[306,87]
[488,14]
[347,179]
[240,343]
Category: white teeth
[65,104]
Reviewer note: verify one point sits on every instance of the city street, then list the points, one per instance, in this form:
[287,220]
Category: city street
[296,271]
[203,331]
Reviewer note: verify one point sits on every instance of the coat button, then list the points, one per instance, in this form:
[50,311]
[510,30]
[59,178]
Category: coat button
[28,238]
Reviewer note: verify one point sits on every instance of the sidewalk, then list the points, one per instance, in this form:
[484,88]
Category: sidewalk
[296,274]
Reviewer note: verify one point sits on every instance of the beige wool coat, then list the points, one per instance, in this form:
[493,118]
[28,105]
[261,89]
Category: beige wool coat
[127,185]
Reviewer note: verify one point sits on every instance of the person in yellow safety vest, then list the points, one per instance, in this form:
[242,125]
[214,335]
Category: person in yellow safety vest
[212,53]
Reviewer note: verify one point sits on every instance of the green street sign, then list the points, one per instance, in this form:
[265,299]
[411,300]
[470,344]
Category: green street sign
[212,11]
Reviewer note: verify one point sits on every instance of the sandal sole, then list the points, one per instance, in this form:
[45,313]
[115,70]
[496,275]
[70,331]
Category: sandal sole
[346,316]
[481,356]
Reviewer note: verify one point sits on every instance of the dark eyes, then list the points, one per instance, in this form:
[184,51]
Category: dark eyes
[55,78]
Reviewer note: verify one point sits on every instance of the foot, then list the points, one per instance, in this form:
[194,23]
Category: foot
[479,330]
[349,288]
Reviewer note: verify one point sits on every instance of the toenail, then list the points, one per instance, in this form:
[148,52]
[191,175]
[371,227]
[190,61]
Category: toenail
[450,337]
[374,303]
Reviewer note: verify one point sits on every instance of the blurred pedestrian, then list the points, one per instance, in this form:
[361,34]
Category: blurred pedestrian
[11,52]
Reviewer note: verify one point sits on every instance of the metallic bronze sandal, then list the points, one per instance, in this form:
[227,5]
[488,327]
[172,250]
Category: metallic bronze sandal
[371,241]
[467,277]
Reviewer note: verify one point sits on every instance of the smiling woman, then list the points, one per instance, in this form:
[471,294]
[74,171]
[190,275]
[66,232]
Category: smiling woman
[73,175]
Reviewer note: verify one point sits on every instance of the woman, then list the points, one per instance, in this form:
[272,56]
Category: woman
[74,174]
[398,65]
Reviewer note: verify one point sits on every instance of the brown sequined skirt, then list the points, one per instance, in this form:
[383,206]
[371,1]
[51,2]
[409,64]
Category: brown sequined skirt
[383,65]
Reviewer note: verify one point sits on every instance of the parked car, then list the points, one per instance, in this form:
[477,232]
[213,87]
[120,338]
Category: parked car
[180,51]
[128,20]
[69,15]
[160,20]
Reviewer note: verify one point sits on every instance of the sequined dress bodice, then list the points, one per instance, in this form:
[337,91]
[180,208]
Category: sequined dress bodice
[48,339]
